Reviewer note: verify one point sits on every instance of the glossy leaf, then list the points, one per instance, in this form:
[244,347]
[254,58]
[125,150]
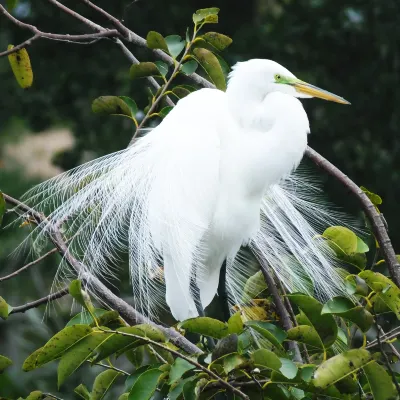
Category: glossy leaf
[267,359]
[385,288]
[380,382]
[80,295]
[4,363]
[218,40]
[21,67]
[269,331]
[143,70]
[162,67]
[306,334]
[235,323]
[4,308]
[211,66]
[2,209]
[325,324]
[155,40]
[340,366]
[206,326]
[82,391]
[175,45]
[115,105]
[189,67]
[344,307]
[103,383]
[77,354]
[178,368]
[61,342]
[205,14]
[119,342]
[145,385]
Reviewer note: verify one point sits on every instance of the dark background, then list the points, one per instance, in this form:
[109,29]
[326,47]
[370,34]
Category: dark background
[351,48]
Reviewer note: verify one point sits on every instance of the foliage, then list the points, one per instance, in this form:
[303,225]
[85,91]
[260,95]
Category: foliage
[252,358]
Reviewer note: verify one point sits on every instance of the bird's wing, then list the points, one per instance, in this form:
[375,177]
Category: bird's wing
[152,200]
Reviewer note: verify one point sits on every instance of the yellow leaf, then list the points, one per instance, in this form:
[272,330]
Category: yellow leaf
[21,67]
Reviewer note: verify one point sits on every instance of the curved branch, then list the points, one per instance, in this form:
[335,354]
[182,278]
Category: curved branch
[377,223]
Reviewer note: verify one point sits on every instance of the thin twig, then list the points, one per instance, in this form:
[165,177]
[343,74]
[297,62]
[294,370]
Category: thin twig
[39,302]
[282,311]
[20,46]
[369,209]
[52,396]
[223,383]
[25,267]
[121,371]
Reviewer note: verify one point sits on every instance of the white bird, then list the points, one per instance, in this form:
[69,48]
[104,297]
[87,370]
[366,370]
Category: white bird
[216,174]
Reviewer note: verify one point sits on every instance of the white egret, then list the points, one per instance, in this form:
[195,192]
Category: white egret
[213,176]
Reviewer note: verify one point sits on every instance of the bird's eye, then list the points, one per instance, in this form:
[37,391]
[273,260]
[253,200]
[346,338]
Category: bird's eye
[278,77]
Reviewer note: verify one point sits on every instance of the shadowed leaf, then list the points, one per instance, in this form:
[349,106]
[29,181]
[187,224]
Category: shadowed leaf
[102,384]
[115,105]
[218,40]
[269,331]
[306,334]
[82,391]
[2,207]
[211,66]
[11,4]
[266,358]
[178,368]
[4,309]
[380,382]
[35,395]
[206,326]
[235,323]
[189,67]
[145,385]
[143,70]
[4,363]
[21,67]
[156,41]
[162,67]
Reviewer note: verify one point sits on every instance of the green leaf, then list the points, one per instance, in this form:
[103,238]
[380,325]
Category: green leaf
[307,372]
[206,326]
[189,389]
[162,67]
[178,368]
[376,200]
[30,363]
[4,309]
[211,66]
[288,368]
[35,395]
[165,111]
[306,334]
[143,70]
[82,391]
[21,67]
[266,358]
[343,307]
[189,68]
[77,354]
[340,366]
[385,289]
[145,385]
[218,40]
[4,363]
[61,342]
[254,286]
[356,285]
[235,323]
[119,342]
[342,237]
[269,331]
[76,291]
[175,45]
[233,361]
[115,105]
[362,247]
[205,13]
[11,4]
[325,324]
[2,210]
[102,384]
[156,41]
[380,382]
[180,92]
[85,318]
[124,396]
[176,390]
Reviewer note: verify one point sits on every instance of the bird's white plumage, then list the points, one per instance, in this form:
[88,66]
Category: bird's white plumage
[214,175]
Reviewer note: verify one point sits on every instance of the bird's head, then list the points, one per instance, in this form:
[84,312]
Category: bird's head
[262,77]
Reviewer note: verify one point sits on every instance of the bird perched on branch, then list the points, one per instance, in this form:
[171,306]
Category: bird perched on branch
[215,175]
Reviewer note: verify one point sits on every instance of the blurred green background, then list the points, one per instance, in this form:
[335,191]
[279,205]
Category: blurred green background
[348,47]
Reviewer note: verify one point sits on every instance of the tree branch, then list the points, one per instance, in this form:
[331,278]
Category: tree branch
[39,302]
[125,310]
[369,209]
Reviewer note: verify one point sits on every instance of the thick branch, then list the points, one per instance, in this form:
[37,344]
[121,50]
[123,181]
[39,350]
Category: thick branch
[39,302]
[377,223]
[125,310]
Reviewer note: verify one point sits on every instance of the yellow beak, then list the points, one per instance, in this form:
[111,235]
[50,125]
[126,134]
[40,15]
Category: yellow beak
[314,91]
